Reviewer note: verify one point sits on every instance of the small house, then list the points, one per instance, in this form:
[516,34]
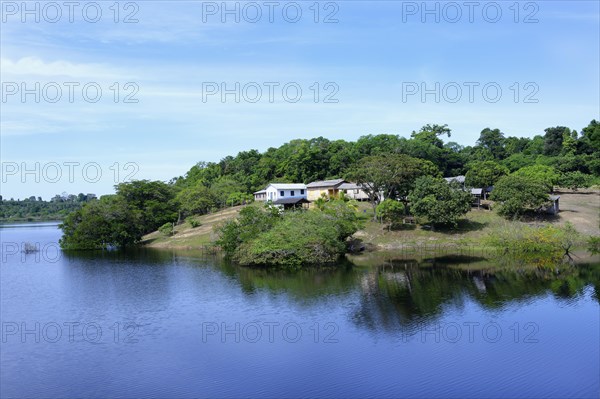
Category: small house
[354,191]
[260,195]
[291,202]
[456,179]
[328,187]
[279,191]
[477,194]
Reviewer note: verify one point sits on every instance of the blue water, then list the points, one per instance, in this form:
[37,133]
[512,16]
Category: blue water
[167,324]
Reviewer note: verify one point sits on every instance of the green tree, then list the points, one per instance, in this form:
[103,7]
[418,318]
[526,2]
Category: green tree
[590,138]
[153,200]
[392,175]
[517,193]
[108,222]
[390,211]
[196,200]
[546,175]
[438,201]
[493,141]
[575,180]
[553,140]
[431,133]
[483,174]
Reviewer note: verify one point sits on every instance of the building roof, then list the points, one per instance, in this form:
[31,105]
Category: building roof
[554,197]
[288,186]
[349,186]
[325,183]
[263,191]
[291,201]
[477,191]
[458,179]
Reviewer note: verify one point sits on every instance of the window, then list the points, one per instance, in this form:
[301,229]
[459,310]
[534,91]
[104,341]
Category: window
[292,193]
[282,193]
[301,192]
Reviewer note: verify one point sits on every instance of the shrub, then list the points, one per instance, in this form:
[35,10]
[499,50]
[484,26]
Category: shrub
[299,238]
[391,211]
[166,229]
[193,222]
[593,245]
[264,236]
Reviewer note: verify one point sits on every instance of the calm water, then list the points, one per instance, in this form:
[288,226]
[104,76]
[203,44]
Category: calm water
[162,324]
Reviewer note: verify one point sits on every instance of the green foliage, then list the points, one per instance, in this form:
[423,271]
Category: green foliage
[265,236]
[553,140]
[493,141]
[122,219]
[546,175]
[193,222]
[153,200]
[516,194]
[438,201]
[195,200]
[575,180]
[390,211]
[593,245]
[517,161]
[524,239]
[301,238]
[590,140]
[36,209]
[166,229]
[252,221]
[105,223]
[482,174]
[343,212]
[391,174]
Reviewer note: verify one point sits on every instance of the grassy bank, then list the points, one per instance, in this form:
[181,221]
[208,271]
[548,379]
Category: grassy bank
[187,237]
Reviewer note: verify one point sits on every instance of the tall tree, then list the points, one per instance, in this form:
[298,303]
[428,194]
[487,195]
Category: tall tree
[492,140]
[553,140]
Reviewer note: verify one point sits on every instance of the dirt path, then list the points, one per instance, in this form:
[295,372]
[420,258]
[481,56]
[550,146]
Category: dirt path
[582,209]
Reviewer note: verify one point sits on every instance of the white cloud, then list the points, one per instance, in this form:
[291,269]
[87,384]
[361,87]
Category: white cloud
[33,66]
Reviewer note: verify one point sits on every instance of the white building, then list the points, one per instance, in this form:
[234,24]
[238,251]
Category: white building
[281,191]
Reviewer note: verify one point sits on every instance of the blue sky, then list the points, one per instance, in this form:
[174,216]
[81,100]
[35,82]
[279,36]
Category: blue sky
[371,57]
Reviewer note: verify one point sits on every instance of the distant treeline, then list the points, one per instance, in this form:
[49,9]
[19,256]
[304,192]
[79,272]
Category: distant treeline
[36,209]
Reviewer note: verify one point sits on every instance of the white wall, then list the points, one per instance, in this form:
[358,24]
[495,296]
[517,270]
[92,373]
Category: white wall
[274,194]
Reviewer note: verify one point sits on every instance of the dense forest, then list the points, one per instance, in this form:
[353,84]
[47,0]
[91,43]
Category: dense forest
[526,167]
[574,155]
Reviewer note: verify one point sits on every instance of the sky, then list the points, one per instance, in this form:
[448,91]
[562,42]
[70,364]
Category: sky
[97,93]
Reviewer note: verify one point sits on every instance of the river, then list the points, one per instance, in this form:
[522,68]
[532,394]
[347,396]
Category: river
[151,323]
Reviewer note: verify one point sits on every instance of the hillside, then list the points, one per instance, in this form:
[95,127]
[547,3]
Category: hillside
[186,237]
[581,208]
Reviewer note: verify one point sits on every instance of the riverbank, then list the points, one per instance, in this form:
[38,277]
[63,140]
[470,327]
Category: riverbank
[581,208]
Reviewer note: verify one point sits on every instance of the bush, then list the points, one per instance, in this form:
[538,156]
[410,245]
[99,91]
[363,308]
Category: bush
[252,221]
[193,222]
[593,245]
[546,240]
[391,211]
[166,229]
[300,238]
[264,236]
